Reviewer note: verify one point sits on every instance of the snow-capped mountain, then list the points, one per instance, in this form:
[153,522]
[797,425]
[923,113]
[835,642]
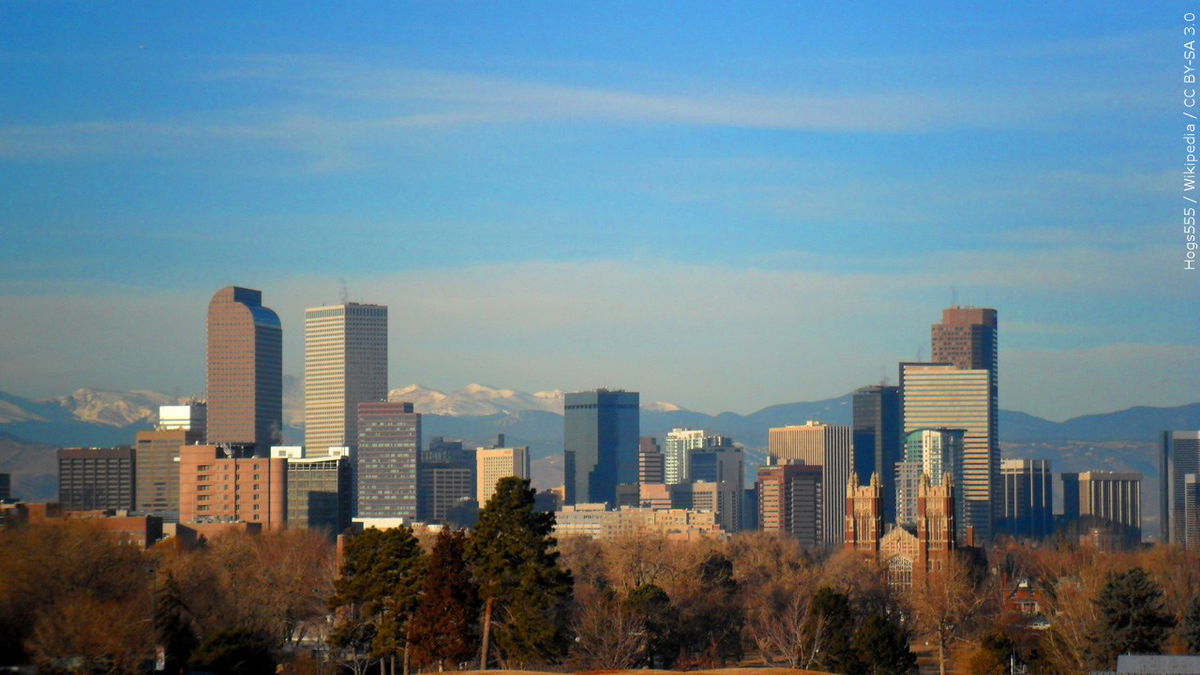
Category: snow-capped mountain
[480,400]
[114,408]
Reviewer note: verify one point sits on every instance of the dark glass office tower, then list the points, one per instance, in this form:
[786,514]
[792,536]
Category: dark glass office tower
[877,440]
[600,448]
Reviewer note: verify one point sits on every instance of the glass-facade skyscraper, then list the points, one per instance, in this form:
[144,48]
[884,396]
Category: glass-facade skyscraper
[600,444]
[876,430]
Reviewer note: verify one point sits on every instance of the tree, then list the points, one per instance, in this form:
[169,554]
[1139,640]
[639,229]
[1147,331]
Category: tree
[234,651]
[609,634]
[1191,626]
[378,591]
[446,626]
[175,631]
[832,618]
[710,615]
[651,605]
[947,605]
[882,646]
[512,554]
[993,655]
[1132,618]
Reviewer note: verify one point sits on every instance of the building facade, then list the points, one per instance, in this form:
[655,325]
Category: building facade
[600,444]
[447,479]
[345,363]
[939,395]
[1028,488]
[492,464]
[677,446]
[790,500]
[386,460]
[91,479]
[1105,498]
[1179,455]
[245,370]
[651,461]
[319,491]
[876,440]
[157,457]
[829,447]
[864,515]
[934,452]
[222,484]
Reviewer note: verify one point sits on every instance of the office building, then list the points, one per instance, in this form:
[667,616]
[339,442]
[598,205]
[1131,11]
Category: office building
[226,484]
[1179,455]
[598,522]
[386,460]
[157,459]
[651,461]
[191,416]
[1191,512]
[600,449]
[492,464]
[319,493]
[1105,499]
[245,370]
[1028,498]
[829,447]
[876,427]
[447,479]
[5,487]
[92,479]
[934,452]
[966,338]
[678,443]
[938,395]
[789,500]
[722,466]
[345,363]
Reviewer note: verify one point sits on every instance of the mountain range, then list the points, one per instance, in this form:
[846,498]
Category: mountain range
[30,429]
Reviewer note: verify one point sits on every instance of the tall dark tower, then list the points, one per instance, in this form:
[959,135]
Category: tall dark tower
[245,370]
[877,440]
[600,448]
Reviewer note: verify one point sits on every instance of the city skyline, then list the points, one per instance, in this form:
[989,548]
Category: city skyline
[544,196]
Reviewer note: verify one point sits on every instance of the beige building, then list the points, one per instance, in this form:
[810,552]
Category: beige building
[222,485]
[939,395]
[1105,497]
[596,522]
[492,464]
[345,363]
[245,370]
[829,447]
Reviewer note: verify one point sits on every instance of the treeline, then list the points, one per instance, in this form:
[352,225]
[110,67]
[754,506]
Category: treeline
[73,599]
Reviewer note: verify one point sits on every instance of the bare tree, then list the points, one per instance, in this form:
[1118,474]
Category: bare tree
[948,604]
[608,634]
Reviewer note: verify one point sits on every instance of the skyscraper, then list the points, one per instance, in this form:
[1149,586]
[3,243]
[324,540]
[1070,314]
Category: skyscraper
[157,458]
[1179,455]
[929,452]
[492,464]
[1028,498]
[245,370]
[968,339]
[722,466]
[789,500]
[826,446]
[600,449]
[318,488]
[1107,497]
[651,464]
[96,478]
[345,363]
[678,443]
[389,440]
[877,440]
[447,479]
[937,395]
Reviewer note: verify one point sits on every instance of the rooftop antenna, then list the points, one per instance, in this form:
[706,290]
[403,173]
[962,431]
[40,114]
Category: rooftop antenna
[344,295]
[921,353]
[954,296]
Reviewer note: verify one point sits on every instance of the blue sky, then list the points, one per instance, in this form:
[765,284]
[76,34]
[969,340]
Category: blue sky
[721,206]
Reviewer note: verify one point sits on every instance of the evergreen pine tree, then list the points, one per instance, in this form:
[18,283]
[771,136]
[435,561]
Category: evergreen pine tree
[512,556]
[652,605]
[378,590]
[445,629]
[174,628]
[1191,626]
[1133,618]
[832,622]
[882,646]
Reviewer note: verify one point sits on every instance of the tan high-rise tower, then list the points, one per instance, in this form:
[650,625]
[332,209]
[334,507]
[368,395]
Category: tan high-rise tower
[245,370]
[829,447]
[345,363]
